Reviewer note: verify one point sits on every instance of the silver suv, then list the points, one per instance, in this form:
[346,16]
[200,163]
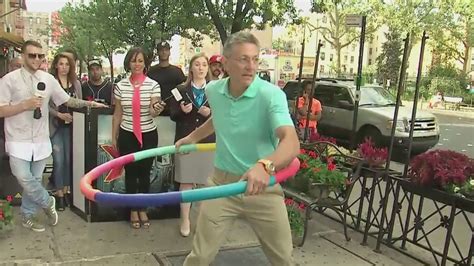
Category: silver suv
[376,109]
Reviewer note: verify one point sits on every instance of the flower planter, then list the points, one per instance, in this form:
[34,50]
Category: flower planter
[319,191]
[298,239]
[466,204]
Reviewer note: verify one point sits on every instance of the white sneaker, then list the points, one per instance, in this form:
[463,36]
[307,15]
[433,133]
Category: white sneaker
[32,224]
[51,211]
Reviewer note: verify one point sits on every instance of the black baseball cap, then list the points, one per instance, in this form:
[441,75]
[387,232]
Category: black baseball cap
[162,45]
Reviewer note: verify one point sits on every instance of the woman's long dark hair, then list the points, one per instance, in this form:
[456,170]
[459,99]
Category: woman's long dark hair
[131,54]
[71,75]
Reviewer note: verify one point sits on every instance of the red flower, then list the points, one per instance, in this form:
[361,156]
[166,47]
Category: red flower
[301,206]
[9,198]
[1,216]
[303,165]
[312,154]
[331,167]
[302,151]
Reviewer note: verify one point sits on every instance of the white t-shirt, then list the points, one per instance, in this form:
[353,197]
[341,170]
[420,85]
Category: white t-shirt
[27,138]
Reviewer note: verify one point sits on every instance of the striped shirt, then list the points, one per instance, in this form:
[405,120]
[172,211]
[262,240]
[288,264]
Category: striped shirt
[124,93]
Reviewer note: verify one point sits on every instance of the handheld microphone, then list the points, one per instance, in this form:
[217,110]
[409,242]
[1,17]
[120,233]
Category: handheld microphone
[39,93]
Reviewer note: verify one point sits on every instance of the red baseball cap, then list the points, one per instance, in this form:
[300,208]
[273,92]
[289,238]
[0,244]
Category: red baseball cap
[215,59]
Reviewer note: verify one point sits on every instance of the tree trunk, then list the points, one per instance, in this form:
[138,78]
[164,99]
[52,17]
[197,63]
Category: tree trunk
[111,67]
[466,59]
[338,58]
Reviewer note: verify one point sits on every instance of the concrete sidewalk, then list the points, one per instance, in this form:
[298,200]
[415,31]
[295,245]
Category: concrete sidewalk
[76,242]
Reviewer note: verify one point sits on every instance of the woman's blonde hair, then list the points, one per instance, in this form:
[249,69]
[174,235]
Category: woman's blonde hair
[187,83]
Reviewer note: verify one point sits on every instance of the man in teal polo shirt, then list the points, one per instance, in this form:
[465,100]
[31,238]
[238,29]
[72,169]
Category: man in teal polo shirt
[255,137]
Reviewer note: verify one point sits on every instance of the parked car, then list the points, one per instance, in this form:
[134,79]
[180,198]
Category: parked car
[374,120]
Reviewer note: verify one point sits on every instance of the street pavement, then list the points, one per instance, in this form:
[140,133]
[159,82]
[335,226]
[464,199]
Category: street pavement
[76,242]
[456,133]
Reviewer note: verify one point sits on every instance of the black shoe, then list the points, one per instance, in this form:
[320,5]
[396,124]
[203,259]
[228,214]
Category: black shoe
[60,203]
[68,200]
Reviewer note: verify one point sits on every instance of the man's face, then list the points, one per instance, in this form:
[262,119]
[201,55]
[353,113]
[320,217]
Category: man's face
[33,57]
[241,65]
[307,90]
[216,69]
[164,54]
[95,72]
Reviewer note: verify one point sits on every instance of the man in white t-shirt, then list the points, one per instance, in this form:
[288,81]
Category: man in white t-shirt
[24,104]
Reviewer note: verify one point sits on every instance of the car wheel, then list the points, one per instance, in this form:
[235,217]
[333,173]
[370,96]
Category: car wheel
[372,133]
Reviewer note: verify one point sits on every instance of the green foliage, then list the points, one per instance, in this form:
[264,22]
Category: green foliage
[447,79]
[228,17]
[295,216]
[389,61]
[316,171]
[335,32]
[6,213]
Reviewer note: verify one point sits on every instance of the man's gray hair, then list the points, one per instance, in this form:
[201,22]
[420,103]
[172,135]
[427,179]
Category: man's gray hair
[239,38]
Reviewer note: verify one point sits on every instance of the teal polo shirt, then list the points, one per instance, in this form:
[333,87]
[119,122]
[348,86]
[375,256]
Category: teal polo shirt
[245,126]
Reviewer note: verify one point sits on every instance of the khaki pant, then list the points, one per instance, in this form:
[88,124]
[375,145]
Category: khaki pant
[266,214]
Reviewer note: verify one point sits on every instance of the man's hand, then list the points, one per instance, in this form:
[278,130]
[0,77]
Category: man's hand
[98,105]
[257,180]
[186,108]
[184,141]
[32,103]
[204,111]
[66,117]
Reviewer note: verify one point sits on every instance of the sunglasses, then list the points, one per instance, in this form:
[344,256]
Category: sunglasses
[36,56]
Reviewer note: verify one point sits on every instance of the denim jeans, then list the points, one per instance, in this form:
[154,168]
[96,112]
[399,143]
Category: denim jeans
[29,175]
[61,141]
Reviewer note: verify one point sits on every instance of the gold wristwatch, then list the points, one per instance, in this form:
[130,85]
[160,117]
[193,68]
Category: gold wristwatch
[268,166]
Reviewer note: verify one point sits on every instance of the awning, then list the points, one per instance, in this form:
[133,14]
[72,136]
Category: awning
[8,39]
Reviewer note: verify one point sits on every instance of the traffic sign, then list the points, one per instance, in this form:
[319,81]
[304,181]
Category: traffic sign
[353,20]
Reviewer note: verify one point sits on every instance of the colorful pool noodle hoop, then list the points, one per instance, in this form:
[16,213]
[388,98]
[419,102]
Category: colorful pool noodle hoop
[167,198]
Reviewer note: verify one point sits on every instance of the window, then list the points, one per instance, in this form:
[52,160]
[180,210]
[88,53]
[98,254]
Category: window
[323,42]
[370,51]
[344,68]
[331,57]
[325,19]
[352,59]
[31,20]
[353,47]
[321,69]
[345,58]
[38,20]
[331,95]
[351,70]
[322,56]
[370,62]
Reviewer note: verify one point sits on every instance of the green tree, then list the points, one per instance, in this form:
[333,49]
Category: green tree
[228,17]
[455,37]
[447,79]
[389,60]
[74,35]
[335,31]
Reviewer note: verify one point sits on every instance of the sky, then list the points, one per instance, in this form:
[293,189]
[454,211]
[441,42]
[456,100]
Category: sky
[45,5]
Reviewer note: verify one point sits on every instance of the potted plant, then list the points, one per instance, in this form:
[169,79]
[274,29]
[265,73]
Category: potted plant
[375,157]
[296,218]
[317,178]
[6,213]
[444,169]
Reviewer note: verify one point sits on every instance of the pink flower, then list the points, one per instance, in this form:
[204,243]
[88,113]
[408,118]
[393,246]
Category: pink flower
[9,198]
